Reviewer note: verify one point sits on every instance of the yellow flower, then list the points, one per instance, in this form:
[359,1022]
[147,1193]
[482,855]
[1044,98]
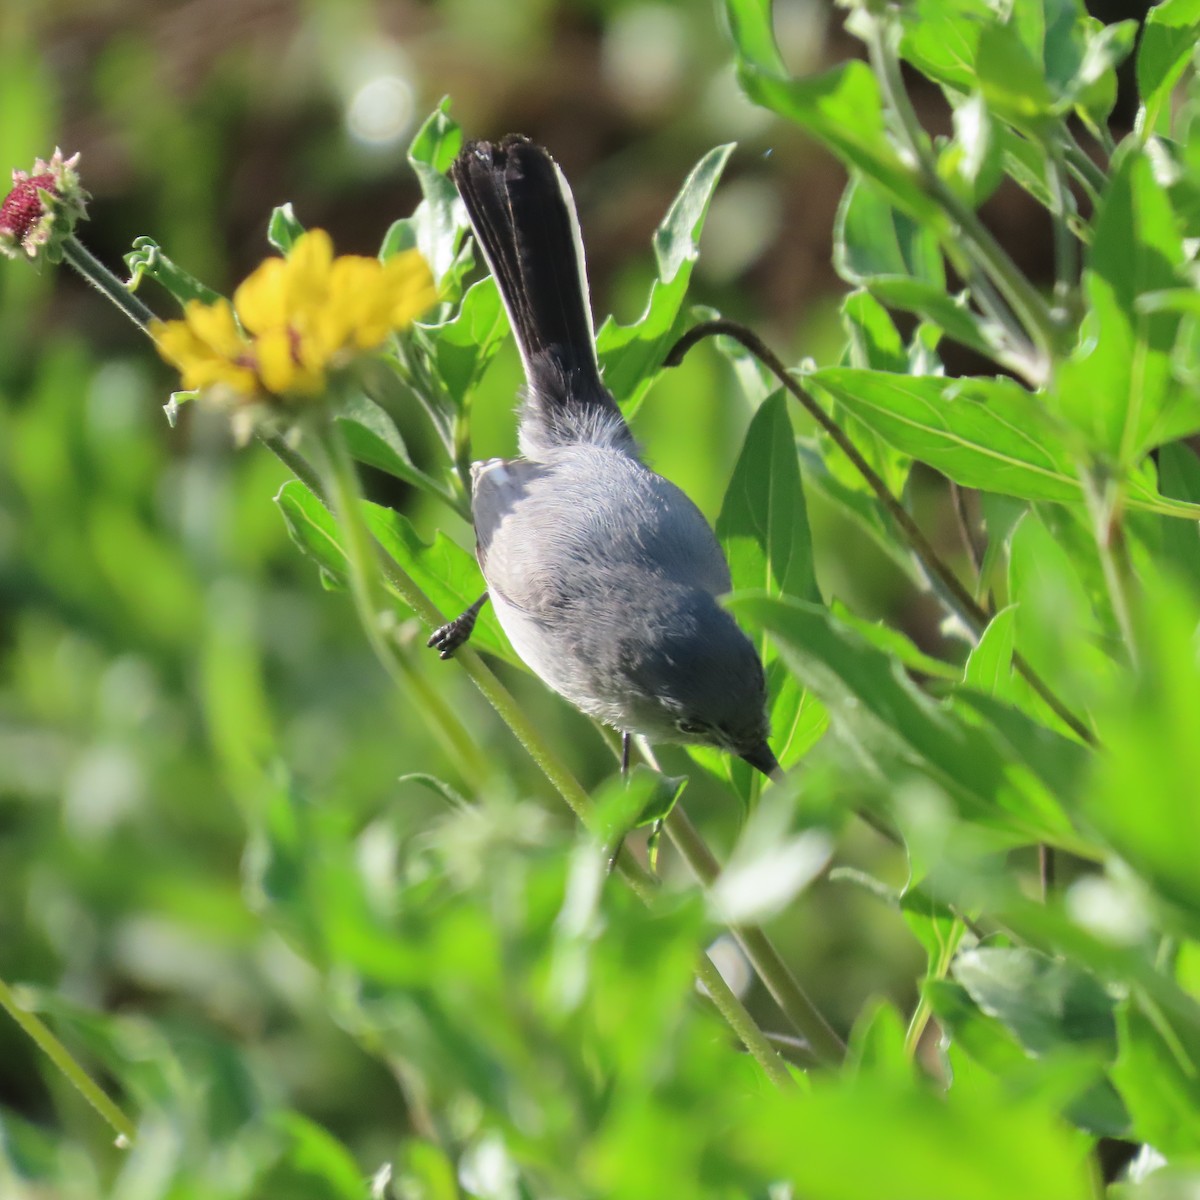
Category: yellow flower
[293,320]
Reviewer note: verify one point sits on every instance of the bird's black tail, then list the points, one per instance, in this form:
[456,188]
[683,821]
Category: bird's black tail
[523,215]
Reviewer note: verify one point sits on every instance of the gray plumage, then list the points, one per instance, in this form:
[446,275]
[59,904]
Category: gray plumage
[603,574]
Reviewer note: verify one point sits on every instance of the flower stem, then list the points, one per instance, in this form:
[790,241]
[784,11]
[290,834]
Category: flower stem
[62,1058]
[363,562]
[104,281]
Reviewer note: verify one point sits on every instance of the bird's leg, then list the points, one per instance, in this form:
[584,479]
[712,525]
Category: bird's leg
[626,739]
[450,636]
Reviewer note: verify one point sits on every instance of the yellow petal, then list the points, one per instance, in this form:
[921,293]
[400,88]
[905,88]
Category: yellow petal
[261,298]
[219,373]
[214,324]
[200,366]
[411,287]
[308,267]
[176,342]
[358,294]
[276,366]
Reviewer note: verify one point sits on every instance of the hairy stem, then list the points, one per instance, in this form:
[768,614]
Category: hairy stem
[363,563]
[363,557]
[785,990]
[103,280]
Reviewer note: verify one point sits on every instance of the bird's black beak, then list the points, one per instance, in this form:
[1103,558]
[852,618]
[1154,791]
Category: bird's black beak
[762,759]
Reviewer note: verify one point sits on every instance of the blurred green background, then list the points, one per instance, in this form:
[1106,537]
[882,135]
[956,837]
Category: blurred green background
[158,630]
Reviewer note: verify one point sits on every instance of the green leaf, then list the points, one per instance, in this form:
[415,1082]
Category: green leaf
[442,568]
[284,228]
[973,162]
[941,39]
[1117,389]
[879,1132]
[1047,1003]
[896,645]
[147,258]
[982,433]
[1064,624]
[1088,1099]
[987,1041]
[428,1171]
[843,108]
[1169,38]
[887,719]
[1095,85]
[314,1163]
[753,34]
[876,1045]
[763,524]
[1157,1073]
[873,240]
[372,438]
[1179,477]
[632,355]
[627,802]
[1026,162]
[989,665]
[1153,754]
[1012,80]
[437,222]
[875,341]
[951,314]
[461,348]
[798,718]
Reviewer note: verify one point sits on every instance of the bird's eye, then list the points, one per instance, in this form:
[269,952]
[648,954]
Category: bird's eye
[694,728]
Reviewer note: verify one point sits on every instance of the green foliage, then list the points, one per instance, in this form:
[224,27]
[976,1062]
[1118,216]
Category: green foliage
[389,967]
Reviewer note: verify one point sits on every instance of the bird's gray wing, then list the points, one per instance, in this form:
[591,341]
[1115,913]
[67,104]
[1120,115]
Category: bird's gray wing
[503,497]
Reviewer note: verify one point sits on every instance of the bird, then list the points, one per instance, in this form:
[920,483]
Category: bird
[604,575]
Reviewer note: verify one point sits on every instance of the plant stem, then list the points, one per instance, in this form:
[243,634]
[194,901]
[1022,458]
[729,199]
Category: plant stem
[924,1010]
[1103,503]
[1047,870]
[62,1058]
[1066,249]
[738,1018]
[965,604]
[362,554]
[362,561]
[1085,170]
[1026,302]
[786,991]
[104,281]
[340,489]
[295,462]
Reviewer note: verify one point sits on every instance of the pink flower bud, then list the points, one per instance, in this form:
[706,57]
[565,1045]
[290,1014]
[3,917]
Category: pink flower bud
[41,211]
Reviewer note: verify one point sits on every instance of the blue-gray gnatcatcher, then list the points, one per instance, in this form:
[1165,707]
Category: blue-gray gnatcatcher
[603,574]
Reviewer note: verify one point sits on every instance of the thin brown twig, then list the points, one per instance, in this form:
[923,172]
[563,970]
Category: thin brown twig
[967,606]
